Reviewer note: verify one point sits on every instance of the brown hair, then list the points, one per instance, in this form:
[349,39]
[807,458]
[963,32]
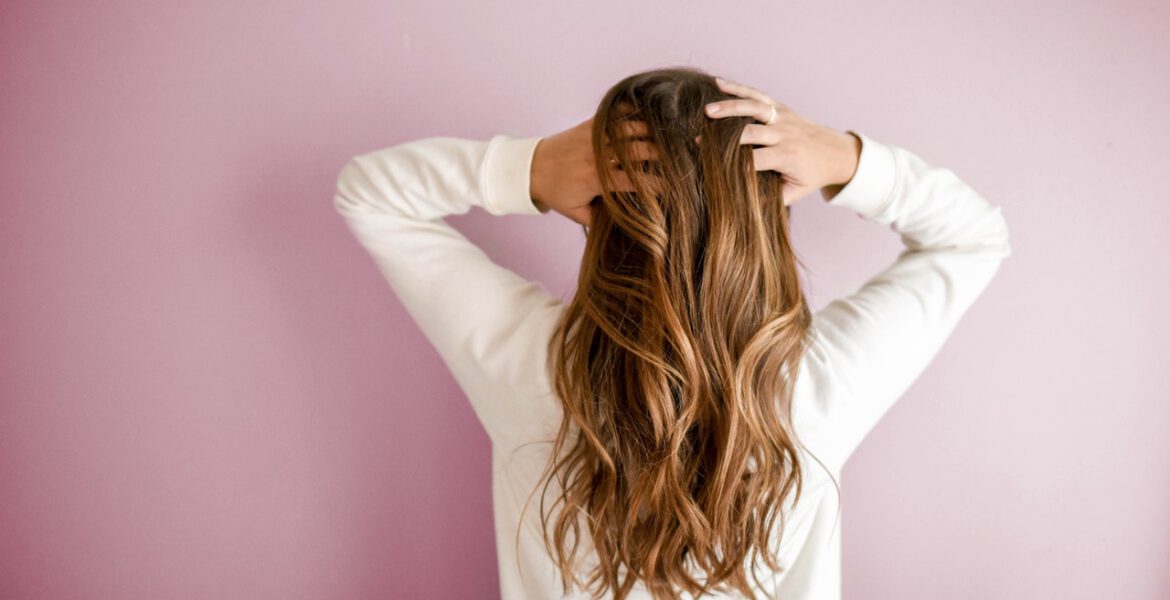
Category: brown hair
[672,360]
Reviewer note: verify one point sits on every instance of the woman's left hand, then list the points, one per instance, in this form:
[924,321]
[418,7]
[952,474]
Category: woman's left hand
[564,175]
[806,154]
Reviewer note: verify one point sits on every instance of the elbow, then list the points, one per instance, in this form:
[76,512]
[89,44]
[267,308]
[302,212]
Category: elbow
[1000,236]
[988,235]
[346,195]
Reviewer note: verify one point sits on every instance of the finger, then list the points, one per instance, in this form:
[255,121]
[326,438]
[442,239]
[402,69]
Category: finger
[742,107]
[750,92]
[758,134]
[621,182]
[641,150]
[632,129]
[740,89]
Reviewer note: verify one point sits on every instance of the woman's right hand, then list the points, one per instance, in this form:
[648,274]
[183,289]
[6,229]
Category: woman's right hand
[564,175]
[808,156]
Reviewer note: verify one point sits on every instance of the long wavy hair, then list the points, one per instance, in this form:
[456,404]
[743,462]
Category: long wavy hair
[673,359]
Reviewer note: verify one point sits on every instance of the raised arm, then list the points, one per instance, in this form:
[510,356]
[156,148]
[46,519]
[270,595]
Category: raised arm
[478,315]
[869,346]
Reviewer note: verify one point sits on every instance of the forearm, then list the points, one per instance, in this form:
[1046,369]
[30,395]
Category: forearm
[846,157]
[869,346]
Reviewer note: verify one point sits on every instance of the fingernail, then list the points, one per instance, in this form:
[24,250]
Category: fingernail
[712,108]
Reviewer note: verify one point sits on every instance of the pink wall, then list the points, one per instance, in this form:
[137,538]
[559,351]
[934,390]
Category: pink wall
[208,392]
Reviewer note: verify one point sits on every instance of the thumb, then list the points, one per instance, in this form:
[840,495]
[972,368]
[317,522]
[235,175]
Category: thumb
[582,215]
[793,192]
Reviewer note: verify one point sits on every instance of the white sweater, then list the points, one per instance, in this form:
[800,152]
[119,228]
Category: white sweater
[491,326]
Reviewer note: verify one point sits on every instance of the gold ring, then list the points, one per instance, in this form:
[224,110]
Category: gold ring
[772,118]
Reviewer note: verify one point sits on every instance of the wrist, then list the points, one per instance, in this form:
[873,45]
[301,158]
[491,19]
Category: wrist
[536,184]
[847,158]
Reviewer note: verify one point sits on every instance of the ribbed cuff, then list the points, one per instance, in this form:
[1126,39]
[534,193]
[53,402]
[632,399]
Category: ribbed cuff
[507,172]
[872,185]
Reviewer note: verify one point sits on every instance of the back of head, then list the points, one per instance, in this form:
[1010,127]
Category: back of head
[672,361]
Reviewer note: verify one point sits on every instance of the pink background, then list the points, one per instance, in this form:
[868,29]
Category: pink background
[208,391]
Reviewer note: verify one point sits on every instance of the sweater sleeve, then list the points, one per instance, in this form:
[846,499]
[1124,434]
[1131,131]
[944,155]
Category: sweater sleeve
[868,347]
[480,317]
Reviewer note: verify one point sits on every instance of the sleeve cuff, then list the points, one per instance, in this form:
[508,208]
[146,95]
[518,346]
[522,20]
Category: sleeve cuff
[872,185]
[507,172]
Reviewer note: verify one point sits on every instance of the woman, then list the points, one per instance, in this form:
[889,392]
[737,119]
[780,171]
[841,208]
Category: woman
[684,419]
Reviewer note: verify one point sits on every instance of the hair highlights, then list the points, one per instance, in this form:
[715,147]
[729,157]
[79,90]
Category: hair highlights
[672,361]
